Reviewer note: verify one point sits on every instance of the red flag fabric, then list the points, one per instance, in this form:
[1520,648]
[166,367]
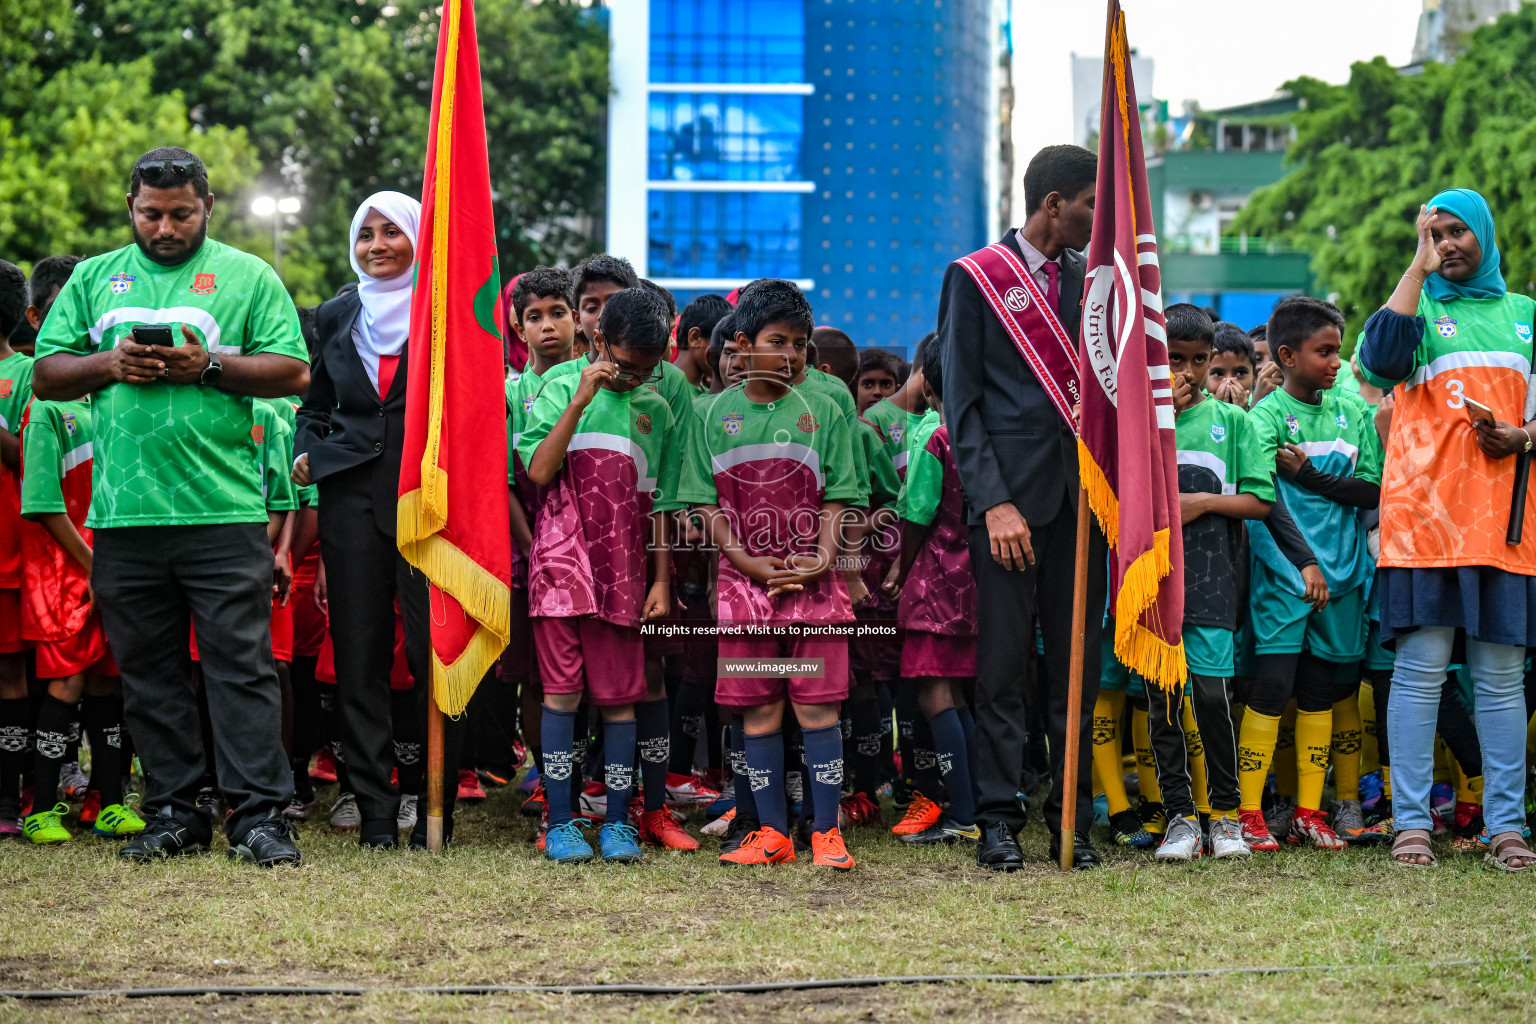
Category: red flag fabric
[452,519]
[1127,447]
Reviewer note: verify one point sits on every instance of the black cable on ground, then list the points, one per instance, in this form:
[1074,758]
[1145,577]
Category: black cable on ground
[748,988]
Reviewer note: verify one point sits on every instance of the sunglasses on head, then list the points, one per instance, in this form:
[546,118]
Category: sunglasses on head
[155,171]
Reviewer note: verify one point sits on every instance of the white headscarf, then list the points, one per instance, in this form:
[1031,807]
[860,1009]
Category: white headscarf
[385,320]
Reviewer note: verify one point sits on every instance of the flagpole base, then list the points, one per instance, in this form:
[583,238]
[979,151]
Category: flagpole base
[434,774]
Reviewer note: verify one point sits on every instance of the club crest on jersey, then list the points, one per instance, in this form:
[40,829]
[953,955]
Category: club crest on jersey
[1292,423]
[70,426]
[897,433]
[808,423]
[731,421]
[1218,432]
[256,432]
[5,388]
[120,283]
[528,403]
[203,284]
[1446,326]
[1523,331]
[1341,420]
[643,423]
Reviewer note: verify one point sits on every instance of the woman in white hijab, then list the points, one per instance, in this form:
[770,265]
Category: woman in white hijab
[351,432]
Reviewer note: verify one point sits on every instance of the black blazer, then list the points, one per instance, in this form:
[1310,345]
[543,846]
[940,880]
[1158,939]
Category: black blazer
[343,423]
[1010,443]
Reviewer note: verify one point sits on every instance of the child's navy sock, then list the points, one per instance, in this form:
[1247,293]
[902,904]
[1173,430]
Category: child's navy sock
[559,735]
[954,764]
[741,775]
[619,767]
[968,725]
[765,772]
[824,770]
[652,725]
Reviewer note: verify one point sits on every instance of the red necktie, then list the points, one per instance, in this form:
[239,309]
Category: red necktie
[1053,286]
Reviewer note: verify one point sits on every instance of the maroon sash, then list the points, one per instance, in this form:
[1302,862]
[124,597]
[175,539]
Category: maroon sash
[1019,305]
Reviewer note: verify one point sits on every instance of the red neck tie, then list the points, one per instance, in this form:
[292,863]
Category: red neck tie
[1053,286]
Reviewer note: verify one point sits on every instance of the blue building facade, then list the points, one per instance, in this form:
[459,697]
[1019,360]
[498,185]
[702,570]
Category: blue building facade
[842,144]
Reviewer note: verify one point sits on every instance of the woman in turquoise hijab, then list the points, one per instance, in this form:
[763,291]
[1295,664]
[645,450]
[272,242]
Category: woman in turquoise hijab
[1455,345]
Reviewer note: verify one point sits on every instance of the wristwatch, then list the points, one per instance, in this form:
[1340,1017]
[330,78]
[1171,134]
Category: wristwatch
[213,371]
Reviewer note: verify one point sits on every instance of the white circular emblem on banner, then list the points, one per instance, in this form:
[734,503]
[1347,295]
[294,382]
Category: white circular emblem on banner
[1016,299]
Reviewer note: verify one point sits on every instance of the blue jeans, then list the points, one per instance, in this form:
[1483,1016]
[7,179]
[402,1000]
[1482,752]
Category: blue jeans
[1498,685]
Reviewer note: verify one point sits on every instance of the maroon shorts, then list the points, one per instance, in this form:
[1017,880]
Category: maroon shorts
[930,655]
[568,647]
[10,622]
[830,688]
[86,651]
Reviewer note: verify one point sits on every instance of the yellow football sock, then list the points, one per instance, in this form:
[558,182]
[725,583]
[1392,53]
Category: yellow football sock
[1370,753]
[1255,748]
[1146,765]
[1469,789]
[1313,729]
[1108,711]
[1346,748]
[1285,753]
[1386,781]
[1194,749]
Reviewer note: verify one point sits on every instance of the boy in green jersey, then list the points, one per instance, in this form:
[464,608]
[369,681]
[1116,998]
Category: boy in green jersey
[1323,444]
[15,392]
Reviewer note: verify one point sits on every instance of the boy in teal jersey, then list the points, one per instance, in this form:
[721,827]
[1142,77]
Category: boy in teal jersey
[1224,480]
[1328,458]
[771,468]
[15,392]
[601,442]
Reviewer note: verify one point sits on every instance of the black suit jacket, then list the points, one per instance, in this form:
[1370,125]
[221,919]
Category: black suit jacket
[1010,443]
[343,423]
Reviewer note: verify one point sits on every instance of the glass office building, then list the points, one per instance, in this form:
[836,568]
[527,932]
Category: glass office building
[842,144]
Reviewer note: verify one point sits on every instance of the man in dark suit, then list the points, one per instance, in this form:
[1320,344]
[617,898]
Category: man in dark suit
[1018,464]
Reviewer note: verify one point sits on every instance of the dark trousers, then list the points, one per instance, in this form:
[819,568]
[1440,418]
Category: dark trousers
[365,574]
[151,582]
[1212,703]
[1008,601]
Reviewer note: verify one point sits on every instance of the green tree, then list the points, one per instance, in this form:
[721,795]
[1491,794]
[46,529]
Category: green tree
[1370,152]
[334,97]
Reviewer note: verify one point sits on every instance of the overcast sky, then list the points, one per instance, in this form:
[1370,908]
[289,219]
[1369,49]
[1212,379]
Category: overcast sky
[1219,52]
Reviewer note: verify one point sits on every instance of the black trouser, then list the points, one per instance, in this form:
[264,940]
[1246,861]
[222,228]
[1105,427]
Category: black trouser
[365,574]
[1212,703]
[151,582]
[1007,603]
[1316,684]
[1453,722]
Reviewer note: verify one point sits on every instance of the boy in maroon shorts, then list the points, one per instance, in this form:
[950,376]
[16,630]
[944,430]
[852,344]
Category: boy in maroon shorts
[603,446]
[770,468]
[59,616]
[938,609]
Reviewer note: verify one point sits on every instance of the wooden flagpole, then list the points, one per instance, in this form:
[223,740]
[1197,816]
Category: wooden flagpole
[1075,682]
[434,771]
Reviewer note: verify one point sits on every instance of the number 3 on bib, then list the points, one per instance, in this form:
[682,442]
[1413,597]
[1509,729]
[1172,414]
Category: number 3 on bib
[1457,399]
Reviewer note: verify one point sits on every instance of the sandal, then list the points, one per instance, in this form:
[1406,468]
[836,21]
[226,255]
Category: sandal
[1506,847]
[1414,842]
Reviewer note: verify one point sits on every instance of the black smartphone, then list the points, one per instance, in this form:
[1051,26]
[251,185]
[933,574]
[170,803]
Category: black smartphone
[152,334]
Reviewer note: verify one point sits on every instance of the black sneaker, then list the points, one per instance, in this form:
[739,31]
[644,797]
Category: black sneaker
[269,842]
[945,830]
[164,837]
[736,833]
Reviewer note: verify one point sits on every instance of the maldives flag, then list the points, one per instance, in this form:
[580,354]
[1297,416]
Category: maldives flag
[452,521]
[1127,445]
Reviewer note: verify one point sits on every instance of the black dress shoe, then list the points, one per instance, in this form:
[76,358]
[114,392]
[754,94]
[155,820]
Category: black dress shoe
[383,834]
[164,837]
[1084,856]
[419,832]
[998,850]
[270,842]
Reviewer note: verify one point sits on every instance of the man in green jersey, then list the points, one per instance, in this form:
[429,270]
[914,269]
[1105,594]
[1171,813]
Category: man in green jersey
[177,501]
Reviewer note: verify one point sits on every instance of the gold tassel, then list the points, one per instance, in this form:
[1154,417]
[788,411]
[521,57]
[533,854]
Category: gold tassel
[1101,496]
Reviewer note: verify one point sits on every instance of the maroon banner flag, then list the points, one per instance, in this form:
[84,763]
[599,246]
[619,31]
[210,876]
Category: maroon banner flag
[1127,448]
[452,519]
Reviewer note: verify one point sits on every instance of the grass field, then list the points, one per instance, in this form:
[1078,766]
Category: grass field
[491,912]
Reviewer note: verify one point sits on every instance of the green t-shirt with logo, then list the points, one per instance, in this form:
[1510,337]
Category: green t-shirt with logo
[15,390]
[274,445]
[166,454]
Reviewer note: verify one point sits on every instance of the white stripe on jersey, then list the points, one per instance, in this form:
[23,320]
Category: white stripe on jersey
[1211,461]
[596,440]
[199,318]
[76,457]
[1465,360]
[801,453]
[1314,449]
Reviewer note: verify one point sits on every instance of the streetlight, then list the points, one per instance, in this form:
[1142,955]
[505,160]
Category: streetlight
[266,206]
